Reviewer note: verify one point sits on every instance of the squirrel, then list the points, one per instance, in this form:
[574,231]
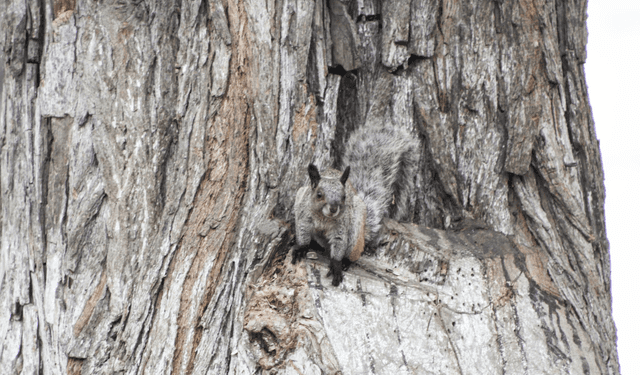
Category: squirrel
[343,211]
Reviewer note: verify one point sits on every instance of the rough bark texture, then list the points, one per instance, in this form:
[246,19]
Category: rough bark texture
[151,151]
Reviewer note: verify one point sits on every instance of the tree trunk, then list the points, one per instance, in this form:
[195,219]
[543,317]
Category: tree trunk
[151,152]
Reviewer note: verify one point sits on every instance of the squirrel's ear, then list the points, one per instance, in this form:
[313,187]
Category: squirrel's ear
[314,175]
[345,175]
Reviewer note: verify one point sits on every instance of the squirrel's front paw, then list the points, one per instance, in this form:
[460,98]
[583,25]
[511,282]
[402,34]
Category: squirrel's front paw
[298,253]
[337,279]
[346,264]
[335,269]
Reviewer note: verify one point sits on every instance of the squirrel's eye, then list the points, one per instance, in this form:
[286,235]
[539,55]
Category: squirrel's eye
[319,195]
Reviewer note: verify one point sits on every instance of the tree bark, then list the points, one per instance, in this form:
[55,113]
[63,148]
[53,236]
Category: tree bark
[151,152]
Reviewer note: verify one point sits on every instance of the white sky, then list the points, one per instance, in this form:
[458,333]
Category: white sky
[613,79]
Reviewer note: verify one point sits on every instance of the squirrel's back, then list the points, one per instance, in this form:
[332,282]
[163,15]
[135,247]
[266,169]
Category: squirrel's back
[384,162]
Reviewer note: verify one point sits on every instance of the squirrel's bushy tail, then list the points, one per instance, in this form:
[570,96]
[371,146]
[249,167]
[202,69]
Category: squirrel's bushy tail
[384,162]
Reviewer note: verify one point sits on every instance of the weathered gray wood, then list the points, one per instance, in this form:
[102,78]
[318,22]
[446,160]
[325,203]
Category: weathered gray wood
[151,150]
[344,39]
[395,32]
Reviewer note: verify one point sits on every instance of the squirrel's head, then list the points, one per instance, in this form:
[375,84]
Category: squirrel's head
[328,193]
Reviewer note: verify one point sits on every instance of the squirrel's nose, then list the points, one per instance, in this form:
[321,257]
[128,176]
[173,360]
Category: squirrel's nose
[333,209]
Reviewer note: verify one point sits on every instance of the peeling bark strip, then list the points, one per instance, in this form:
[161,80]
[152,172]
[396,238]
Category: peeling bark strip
[150,154]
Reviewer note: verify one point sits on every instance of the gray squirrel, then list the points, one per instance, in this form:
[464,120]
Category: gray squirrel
[343,211]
